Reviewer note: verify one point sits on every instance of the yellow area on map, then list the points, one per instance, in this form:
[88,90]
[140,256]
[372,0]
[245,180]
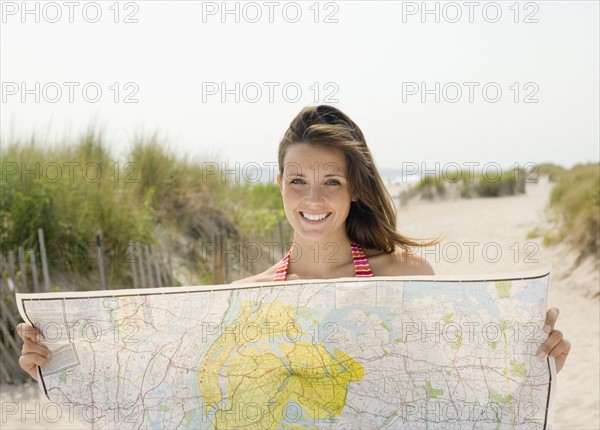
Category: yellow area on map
[264,380]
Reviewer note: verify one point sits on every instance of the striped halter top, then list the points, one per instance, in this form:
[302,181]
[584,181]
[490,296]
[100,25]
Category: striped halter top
[361,264]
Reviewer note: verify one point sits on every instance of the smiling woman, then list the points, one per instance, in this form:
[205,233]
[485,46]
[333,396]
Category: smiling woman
[337,204]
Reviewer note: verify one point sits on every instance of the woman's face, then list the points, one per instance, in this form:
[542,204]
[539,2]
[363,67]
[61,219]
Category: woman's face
[315,191]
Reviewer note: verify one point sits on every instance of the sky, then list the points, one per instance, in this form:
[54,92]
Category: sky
[437,82]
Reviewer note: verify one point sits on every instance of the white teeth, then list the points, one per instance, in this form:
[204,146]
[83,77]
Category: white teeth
[315,217]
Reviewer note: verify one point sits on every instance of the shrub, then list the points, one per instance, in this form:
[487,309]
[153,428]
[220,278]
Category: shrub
[576,200]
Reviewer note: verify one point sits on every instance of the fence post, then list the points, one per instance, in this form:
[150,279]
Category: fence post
[4,373]
[11,265]
[163,266]
[44,259]
[246,267]
[156,268]
[100,262]
[223,258]
[23,269]
[171,276]
[34,273]
[215,258]
[218,266]
[133,272]
[151,283]
[141,264]
[226,260]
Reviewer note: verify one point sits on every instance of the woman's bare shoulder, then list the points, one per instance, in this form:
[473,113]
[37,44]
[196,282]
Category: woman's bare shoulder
[399,263]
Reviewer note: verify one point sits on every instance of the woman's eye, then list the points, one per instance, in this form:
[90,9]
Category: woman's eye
[296,181]
[333,182]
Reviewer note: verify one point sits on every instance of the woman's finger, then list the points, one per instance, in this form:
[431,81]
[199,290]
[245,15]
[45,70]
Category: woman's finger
[560,353]
[563,347]
[29,332]
[552,341]
[551,317]
[35,348]
[32,360]
[29,363]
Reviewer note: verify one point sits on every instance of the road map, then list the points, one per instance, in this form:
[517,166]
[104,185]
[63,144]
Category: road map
[386,352]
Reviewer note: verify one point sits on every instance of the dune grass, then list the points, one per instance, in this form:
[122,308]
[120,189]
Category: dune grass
[72,193]
[76,189]
[475,184]
[553,171]
[575,200]
[508,183]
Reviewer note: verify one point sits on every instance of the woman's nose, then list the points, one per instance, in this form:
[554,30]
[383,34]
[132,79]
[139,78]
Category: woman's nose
[314,194]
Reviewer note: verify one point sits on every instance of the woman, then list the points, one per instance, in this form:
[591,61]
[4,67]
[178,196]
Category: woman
[332,196]
[343,218]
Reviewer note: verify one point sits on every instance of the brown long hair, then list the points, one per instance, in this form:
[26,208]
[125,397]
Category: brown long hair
[372,218]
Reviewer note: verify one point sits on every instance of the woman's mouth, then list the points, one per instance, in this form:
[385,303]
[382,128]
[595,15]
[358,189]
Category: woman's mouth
[315,218]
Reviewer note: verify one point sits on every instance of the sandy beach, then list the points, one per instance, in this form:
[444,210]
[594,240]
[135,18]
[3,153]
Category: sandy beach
[479,236]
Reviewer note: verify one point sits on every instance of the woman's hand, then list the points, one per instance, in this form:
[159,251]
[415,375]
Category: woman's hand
[555,346]
[33,353]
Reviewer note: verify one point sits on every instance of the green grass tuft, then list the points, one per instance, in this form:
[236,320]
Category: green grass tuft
[576,201]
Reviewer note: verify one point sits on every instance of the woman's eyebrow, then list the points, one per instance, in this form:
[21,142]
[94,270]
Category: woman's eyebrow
[334,174]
